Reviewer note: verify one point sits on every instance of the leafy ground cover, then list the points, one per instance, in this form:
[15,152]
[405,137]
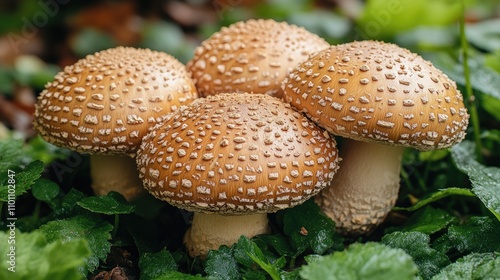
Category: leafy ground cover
[446,223]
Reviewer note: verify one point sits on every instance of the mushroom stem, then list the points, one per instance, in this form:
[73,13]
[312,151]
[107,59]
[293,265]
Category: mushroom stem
[366,187]
[209,231]
[115,173]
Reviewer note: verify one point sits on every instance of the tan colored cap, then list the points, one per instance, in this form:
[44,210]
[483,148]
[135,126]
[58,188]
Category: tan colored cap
[236,154]
[375,91]
[252,56]
[105,102]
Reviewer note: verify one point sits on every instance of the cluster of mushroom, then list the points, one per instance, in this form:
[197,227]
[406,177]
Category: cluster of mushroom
[259,137]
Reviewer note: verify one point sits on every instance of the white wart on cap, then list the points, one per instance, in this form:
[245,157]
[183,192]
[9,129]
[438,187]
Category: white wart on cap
[235,154]
[380,93]
[253,56]
[104,105]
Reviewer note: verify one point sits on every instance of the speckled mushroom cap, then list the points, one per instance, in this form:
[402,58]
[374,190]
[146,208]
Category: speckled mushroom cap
[376,91]
[105,102]
[252,56]
[236,153]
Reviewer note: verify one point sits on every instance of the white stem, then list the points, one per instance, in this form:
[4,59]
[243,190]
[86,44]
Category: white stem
[366,187]
[209,231]
[115,173]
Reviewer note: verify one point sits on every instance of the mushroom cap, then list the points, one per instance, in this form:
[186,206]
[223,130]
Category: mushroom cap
[105,102]
[253,56]
[380,92]
[236,153]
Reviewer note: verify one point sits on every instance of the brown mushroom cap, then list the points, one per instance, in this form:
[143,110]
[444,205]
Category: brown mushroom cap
[375,91]
[105,102]
[236,153]
[252,56]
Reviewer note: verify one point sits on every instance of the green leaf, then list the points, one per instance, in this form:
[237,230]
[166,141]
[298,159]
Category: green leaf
[22,180]
[484,34]
[478,235]
[247,253]
[416,244]
[279,243]
[11,154]
[68,206]
[94,230]
[473,266]
[491,105]
[492,60]
[175,275]
[427,220]
[221,264]
[154,265]
[436,196]
[308,228]
[109,204]
[362,261]
[45,190]
[37,258]
[482,77]
[491,135]
[485,180]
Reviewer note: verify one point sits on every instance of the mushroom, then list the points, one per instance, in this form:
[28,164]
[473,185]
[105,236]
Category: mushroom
[104,104]
[253,56]
[232,158]
[382,98]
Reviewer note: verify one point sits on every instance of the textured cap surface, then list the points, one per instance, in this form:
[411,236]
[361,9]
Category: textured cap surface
[375,91]
[252,56]
[105,102]
[236,153]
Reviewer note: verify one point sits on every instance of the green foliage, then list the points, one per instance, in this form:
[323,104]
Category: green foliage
[362,261]
[22,180]
[308,228]
[11,154]
[221,264]
[36,256]
[109,204]
[45,190]
[383,19]
[95,231]
[485,34]
[437,196]
[473,266]
[478,234]
[484,179]
[156,265]
[483,78]
[427,220]
[416,244]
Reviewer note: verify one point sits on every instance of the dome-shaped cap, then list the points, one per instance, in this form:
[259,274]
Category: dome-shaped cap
[380,92]
[105,102]
[253,56]
[236,153]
